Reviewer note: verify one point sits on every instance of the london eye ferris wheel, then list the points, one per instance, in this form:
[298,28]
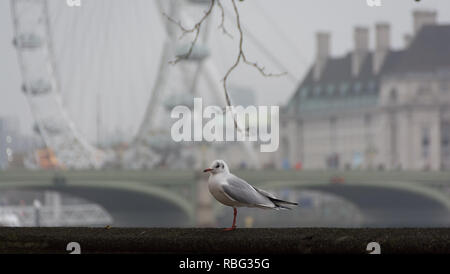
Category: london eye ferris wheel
[85,68]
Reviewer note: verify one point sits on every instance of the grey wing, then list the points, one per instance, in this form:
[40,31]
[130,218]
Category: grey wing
[240,191]
[275,200]
[265,193]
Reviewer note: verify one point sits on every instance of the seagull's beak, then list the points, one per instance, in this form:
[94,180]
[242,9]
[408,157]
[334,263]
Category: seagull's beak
[207,170]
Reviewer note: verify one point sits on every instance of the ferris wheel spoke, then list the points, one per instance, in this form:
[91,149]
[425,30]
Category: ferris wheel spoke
[84,68]
[41,85]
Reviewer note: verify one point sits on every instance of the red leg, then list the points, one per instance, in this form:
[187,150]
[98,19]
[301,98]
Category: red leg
[233,227]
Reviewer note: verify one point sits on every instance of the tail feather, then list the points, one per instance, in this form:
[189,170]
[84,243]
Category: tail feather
[282,207]
[278,202]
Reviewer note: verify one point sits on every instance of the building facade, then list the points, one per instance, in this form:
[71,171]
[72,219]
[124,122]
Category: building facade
[374,109]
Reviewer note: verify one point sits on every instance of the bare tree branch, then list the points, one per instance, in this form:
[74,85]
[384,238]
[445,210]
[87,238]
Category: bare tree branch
[195,29]
[222,22]
[241,54]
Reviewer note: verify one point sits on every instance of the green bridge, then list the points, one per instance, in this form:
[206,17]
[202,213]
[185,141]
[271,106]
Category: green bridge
[181,189]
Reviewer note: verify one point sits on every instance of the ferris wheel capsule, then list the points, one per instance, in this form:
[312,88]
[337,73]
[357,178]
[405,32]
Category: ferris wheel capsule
[51,127]
[36,88]
[198,53]
[62,69]
[27,41]
[202,2]
[184,99]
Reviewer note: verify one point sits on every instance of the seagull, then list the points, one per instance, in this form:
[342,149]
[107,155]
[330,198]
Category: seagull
[233,191]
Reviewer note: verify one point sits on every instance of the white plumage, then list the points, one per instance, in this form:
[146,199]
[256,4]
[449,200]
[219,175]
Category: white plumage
[233,191]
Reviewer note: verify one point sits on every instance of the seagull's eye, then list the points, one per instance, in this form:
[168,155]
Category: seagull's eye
[217,166]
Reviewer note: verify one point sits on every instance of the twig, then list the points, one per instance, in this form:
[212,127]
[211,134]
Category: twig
[241,54]
[222,22]
[195,29]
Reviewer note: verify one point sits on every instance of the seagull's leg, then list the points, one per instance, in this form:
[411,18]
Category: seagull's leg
[233,227]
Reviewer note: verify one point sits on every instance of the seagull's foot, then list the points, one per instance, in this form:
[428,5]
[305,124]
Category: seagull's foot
[230,228]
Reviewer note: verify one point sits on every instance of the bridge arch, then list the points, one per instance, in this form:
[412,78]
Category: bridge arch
[133,188]
[382,204]
[431,193]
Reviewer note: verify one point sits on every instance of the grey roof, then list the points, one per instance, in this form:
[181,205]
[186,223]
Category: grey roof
[339,69]
[429,50]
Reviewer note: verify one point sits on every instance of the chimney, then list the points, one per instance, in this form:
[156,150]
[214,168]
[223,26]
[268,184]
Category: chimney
[422,18]
[323,52]
[361,37]
[382,45]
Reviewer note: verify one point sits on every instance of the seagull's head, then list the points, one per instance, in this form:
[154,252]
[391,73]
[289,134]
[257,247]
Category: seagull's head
[218,166]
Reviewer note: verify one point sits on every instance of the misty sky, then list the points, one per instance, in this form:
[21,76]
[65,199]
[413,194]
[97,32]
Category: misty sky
[286,27]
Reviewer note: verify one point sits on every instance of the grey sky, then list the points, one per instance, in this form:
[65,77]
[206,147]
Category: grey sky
[291,40]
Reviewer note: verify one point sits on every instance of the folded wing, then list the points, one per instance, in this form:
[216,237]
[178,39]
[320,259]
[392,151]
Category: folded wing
[275,200]
[242,192]
[246,194]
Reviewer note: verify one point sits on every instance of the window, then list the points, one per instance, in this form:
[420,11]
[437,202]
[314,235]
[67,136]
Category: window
[393,95]
[357,87]
[445,131]
[317,90]
[290,106]
[330,89]
[425,142]
[344,88]
[304,92]
[368,120]
[371,86]
[424,89]
[445,87]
